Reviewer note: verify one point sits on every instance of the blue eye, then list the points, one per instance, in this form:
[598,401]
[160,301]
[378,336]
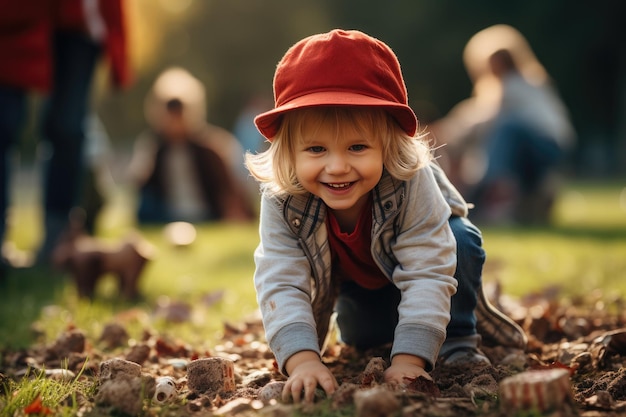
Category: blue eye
[358,148]
[316,149]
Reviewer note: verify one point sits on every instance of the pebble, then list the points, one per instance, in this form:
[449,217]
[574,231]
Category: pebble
[116,368]
[271,391]
[211,375]
[60,374]
[543,390]
[376,402]
[178,363]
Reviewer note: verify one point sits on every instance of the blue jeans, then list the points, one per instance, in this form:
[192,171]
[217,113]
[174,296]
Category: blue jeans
[368,318]
[64,123]
[12,116]
[520,153]
[153,209]
[63,120]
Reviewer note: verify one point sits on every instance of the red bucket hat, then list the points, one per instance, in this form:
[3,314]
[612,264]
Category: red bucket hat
[338,68]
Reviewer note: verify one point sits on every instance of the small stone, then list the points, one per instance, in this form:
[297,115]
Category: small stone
[602,400]
[257,378]
[195,405]
[60,374]
[178,363]
[126,394]
[238,406]
[114,335]
[271,391]
[376,402]
[138,353]
[119,368]
[67,343]
[543,390]
[583,362]
[211,375]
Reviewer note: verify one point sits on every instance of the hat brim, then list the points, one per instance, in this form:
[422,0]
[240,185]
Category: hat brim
[268,123]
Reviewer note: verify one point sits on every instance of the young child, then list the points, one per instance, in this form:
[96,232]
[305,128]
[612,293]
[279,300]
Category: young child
[183,167]
[357,219]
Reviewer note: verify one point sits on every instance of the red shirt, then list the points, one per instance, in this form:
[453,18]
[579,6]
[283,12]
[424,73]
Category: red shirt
[351,252]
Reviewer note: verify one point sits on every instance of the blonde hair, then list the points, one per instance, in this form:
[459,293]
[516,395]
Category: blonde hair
[403,155]
[176,83]
[483,44]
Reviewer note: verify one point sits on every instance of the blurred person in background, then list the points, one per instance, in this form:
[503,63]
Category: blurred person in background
[52,47]
[505,146]
[184,168]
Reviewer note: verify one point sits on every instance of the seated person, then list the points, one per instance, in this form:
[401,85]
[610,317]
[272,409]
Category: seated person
[184,168]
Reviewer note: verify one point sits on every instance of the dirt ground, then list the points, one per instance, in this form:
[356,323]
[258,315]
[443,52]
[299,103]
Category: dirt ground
[585,337]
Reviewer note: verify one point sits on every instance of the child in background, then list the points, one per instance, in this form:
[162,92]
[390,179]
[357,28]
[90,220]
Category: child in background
[183,167]
[356,218]
[506,145]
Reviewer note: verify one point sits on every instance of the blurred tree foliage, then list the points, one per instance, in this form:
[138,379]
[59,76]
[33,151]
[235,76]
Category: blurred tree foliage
[233,46]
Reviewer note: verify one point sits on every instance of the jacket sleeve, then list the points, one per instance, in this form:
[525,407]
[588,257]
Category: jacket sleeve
[425,250]
[283,285]
[453,197]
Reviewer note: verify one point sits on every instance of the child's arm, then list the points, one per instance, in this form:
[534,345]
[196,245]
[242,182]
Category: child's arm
[306,371]
[425,250]
[283,284]
[405,366]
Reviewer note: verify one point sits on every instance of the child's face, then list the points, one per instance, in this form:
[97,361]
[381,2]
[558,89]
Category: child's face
[340,168]
[174,127]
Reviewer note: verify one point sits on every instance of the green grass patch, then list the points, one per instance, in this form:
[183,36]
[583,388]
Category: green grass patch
[582,253]
[37,394]
[214,276]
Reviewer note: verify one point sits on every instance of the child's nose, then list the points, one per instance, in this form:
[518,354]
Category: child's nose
[337,164]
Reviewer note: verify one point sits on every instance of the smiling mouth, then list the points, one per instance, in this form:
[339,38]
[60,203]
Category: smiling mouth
[339,186]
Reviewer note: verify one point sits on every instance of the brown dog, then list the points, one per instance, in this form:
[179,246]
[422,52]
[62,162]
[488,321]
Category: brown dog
[88,258]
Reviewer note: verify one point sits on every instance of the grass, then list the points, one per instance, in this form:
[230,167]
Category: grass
[217,267]
[36,394]
[582,254]
[214,275]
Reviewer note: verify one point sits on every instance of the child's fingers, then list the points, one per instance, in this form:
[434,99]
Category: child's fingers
[309,391]
[292,391]
[328,384]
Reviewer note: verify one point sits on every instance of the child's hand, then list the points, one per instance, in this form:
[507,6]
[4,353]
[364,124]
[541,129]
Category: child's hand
[306,371]
[405,366]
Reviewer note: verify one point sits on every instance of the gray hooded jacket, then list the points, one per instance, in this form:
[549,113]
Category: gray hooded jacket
[411,243]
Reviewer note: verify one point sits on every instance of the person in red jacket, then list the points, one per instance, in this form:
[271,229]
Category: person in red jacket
[51,47]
